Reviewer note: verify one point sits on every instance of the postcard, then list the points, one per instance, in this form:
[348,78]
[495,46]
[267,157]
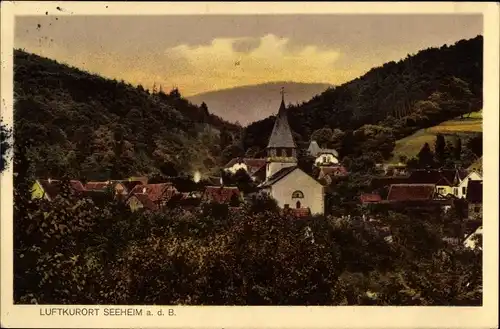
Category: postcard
[249,165]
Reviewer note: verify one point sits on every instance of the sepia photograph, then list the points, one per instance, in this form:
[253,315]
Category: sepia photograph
[251,158]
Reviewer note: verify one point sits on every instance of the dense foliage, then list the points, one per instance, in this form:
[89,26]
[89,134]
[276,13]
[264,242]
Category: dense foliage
[90,127]
[391,101]
[72,251]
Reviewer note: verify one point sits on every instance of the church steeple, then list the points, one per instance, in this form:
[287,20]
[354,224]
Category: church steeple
[281,136]
[281,149]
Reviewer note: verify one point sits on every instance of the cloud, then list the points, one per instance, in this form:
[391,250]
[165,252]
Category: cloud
[219,65]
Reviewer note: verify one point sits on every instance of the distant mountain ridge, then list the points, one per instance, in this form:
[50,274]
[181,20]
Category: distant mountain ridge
[246,104]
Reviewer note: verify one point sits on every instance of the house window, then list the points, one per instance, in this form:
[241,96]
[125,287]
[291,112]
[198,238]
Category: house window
[297,195]
[297,204]
[283,153]
[455,191]
[464,189]
[441,190]
[273,152]
[286,206]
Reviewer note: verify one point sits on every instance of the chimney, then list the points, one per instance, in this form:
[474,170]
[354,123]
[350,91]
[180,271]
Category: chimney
[50,180]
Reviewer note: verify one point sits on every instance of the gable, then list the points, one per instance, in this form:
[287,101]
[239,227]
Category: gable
[298,175]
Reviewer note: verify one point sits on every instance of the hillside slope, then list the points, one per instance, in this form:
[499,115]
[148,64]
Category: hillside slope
[72,122]
[422,90]
[457,127]
[247,104]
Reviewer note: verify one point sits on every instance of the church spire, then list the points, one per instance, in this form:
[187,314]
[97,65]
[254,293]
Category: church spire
[281,136]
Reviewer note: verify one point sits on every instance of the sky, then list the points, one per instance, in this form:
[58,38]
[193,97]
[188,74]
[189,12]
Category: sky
[203,53]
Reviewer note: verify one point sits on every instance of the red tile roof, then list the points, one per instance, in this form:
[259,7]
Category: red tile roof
[146,202]
[411,192]
[370,198]
[155,192]
[52,187]
[298,212]
[333,171]
[98,186]
[220,194]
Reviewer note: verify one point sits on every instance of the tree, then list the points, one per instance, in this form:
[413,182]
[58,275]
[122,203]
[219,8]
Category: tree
[425,157]
[440,149]
[457,149]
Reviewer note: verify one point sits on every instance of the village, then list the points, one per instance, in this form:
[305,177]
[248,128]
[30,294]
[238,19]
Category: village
[297,193]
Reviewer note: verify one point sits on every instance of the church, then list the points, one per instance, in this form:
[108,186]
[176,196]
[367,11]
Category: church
[284,180]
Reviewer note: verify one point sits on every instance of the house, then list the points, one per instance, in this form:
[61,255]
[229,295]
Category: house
[327,174]
[50,188]
[398,169]
[141,201]
[475,199]
[442,179]
[285,181]
[222,194]
[324,157]
[254,167]
[116,187]
[159,194]
[462,180]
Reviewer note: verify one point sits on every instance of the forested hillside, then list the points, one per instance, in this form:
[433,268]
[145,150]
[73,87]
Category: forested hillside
[388,102]
[75,123]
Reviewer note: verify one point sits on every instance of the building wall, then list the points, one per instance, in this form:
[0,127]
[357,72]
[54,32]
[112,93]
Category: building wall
[444,189]
[323,159]
[37,191]
[462,187]
[134,203]
[299,181]
[274,166]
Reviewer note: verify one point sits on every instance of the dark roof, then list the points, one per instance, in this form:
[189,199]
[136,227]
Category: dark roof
[475,191]
[411,192]
[281,136]
[260,174]
[462,174]
[52,187]
[220,194]
[378,182]
[438,177]
[279,175]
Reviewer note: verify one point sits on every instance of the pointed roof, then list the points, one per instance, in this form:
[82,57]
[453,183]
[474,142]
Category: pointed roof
[281,135]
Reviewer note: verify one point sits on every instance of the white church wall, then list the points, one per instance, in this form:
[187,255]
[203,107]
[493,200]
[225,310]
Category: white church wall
[274,167]
[299,181]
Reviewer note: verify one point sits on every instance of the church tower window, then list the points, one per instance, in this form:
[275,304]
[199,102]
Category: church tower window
[297,195]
